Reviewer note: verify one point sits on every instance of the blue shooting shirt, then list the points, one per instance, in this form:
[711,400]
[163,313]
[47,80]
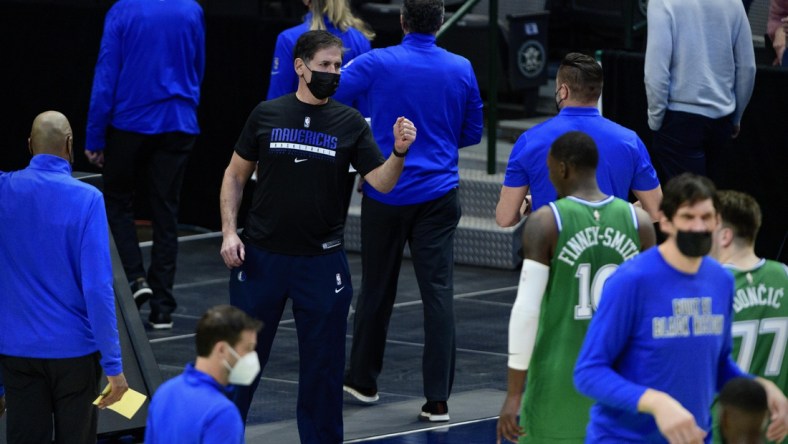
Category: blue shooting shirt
[283,76]
[624,163]
[56,282]
[149,70]
[192,408]
[656,327]
[437,91]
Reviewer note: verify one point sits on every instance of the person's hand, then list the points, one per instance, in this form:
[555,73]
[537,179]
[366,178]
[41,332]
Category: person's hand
[526,207]
[778,407]
[508,427]
[2,405]
[95,157]
[736,131]
[233,252]
[404,134]
[778,42]
[676,423]
[117,387]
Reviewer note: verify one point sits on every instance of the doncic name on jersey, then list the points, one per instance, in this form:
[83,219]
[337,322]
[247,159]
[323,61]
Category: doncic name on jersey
[303,142]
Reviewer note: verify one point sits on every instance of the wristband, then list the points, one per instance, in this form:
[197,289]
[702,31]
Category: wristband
[398,154]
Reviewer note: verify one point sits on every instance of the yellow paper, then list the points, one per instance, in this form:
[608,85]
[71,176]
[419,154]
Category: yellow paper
[128,405]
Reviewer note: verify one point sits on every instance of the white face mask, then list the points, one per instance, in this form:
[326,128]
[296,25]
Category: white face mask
[246,368]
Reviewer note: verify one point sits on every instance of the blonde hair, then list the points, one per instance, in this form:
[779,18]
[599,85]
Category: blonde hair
[338,13]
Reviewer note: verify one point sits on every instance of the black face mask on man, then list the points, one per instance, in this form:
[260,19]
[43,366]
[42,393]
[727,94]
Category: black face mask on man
[693,243]
[558,102]
[323,84]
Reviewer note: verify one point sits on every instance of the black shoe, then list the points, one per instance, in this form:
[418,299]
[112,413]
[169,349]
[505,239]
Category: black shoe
[434,411]
[160,321]
[366,396]
[140,291]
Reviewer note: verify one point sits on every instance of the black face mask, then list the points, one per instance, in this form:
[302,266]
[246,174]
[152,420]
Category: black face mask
[693,243]
[558,102]
[323,84]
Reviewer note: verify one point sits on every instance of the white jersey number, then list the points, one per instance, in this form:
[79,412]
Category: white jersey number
[749,331]
[590,290]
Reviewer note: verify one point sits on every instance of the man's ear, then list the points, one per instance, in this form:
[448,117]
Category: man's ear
[665,225]
[726,236]
[219,348]
[70,148]
[29,146]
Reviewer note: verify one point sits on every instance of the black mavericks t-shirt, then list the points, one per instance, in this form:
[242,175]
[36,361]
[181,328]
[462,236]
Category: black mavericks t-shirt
[303,152]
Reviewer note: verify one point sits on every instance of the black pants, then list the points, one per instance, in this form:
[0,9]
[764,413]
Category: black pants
[37,389]
[320,290]
[163,158]
[429,229]
[690,142]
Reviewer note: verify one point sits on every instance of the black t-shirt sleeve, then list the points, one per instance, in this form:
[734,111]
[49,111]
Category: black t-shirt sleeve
[367,154]
[247,144]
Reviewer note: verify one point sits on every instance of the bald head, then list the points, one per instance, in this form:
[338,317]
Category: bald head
[51,134]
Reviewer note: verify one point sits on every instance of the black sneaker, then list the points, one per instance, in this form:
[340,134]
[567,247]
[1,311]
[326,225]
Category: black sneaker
[140,291]
[366,396]
[160,321]
[434,411]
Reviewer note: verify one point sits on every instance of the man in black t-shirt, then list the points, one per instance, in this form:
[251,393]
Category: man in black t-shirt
[291,246]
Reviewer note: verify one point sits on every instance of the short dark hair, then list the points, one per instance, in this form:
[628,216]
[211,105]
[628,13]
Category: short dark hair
[577,149]
[422,16]
[311,42]
[741,213]
[583,75]
[744,394]
[687,189]
[222,323]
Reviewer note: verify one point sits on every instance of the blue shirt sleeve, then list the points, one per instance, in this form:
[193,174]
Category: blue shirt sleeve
[199,42]
[607,337]
[150,425]
[356,78]
[283,77]
[105,80]
[516,174]
[473,125]
[96,279]
[728,369]
[645,177]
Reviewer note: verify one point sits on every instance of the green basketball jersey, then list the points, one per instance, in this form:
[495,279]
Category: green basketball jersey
[760,324]
[593,239]
[760,321]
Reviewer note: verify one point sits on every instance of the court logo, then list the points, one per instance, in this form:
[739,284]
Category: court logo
[241,276]
[531,58]
[307,121]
